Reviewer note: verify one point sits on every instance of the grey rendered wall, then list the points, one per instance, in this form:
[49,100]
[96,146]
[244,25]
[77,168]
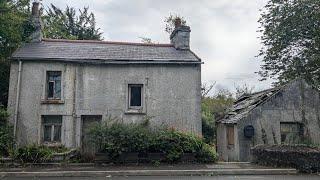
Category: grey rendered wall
[297,102]
[172,96]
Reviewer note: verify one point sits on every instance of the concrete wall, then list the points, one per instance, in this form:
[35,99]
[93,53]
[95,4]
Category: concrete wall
[172,96]
[297,102]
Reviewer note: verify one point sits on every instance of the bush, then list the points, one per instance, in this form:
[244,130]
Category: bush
[33,154]
[6,134]
[302,157]
[117,138]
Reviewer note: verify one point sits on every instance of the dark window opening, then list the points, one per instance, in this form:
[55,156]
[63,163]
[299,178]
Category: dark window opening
[135,95]
[54,84]
[291,132]
[52,128]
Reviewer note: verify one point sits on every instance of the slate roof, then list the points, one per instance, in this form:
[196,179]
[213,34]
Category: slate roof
[246,103]
[103,52]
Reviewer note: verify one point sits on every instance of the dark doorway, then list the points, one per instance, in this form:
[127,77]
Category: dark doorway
[88,148]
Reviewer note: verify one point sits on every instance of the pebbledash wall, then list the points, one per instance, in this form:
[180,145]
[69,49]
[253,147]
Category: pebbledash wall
[295,102]
[172,96]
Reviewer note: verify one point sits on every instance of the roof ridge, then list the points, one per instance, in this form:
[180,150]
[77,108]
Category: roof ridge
[105,42]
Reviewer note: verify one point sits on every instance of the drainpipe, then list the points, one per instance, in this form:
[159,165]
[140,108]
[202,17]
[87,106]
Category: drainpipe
[17,100]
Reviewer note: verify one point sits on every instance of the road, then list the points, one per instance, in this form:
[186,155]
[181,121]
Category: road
[252,177]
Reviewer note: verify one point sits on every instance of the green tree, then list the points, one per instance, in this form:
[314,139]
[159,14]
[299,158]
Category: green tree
[291,38]
[171,20]
[67,24]
[213,107]
[15,28]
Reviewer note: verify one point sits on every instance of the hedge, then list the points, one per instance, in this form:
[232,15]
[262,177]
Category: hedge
[117,138]
[302,157]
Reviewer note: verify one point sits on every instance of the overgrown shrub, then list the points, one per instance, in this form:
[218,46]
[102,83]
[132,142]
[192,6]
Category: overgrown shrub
[33,154]
[302,157]
[6,134]
[117,138]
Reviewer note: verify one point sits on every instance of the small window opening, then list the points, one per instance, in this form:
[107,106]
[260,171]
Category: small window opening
[54,84]
[135,95]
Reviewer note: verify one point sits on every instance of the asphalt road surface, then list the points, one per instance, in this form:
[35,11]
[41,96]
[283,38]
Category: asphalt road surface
[252,177]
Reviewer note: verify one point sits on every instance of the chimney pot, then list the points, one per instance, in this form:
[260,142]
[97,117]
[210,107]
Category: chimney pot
[35,9]
[177,22]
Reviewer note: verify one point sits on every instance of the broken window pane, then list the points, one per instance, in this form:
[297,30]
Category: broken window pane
[54,84]
[57,133]
[47,133]
[135,95]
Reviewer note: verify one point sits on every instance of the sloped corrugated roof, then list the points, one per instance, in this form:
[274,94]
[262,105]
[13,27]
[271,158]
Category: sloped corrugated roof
[246,103]
[78,50]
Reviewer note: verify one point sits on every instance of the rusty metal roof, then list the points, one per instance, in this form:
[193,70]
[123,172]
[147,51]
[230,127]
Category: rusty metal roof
[102,51]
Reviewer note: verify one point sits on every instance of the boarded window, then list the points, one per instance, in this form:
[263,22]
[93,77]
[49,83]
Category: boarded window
[54,84]
[290,132]
[135,95]
[52,128]
[230,135]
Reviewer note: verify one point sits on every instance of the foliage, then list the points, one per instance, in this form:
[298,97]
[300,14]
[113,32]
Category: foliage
[33,154]
[291,38]
[146,40]
[15,28]
[6,135]
[243,90]
[302,157]
[170,22]
[117,138]
[213,108]
[66,24]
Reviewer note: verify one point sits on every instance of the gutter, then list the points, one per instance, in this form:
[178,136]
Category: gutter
[120,62]
[17,100]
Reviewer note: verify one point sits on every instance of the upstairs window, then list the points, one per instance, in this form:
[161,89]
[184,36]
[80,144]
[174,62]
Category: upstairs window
[54,84]
[52,128]
[135,96]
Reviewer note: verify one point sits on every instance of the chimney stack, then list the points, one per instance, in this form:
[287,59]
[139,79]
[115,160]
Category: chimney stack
[180,37]
[36,36]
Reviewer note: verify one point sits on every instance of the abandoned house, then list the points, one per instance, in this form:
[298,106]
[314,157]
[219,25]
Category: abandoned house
[283,115]
[59,87]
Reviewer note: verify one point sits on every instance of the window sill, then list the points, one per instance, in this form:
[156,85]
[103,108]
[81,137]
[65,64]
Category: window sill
[52,101]
[135,111]
[52,144]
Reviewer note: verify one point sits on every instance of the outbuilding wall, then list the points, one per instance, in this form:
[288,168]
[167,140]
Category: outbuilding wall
[296,102]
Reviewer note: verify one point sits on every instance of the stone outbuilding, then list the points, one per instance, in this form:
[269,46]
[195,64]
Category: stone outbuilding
[59,87]
[284,115]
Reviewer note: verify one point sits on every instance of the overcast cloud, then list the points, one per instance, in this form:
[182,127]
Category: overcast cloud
[223,32]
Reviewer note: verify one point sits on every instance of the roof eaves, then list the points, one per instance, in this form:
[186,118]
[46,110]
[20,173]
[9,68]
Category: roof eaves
[106,61]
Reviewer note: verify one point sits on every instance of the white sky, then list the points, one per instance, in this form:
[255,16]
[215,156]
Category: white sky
[223,32]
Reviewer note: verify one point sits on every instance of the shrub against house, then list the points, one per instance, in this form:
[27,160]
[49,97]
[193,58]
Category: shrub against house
[116,140]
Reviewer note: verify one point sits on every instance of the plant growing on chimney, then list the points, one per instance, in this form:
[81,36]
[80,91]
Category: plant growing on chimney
[171,21]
